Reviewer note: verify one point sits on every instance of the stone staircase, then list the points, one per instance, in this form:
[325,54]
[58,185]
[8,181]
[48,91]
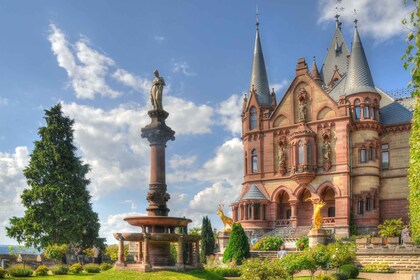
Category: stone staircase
[288,234]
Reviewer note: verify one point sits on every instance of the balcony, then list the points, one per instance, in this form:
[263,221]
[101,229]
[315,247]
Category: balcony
[304,174]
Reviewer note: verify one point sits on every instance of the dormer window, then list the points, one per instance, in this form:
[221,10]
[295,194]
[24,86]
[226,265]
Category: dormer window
[253,118]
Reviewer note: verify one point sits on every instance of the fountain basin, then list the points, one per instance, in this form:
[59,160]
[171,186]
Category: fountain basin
[164,221]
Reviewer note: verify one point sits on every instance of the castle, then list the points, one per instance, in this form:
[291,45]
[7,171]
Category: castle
[333,136]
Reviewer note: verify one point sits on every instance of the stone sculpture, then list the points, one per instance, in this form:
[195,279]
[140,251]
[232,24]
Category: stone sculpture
[227,222]
[317,213]
[156,91]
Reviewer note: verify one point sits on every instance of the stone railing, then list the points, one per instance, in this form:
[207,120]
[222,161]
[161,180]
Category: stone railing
[328,221]
[283,223]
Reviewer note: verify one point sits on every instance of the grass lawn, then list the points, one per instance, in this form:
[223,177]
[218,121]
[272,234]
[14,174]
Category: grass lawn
[130,275]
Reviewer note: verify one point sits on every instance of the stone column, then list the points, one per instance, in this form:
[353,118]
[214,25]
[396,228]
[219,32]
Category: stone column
[180,255]
[293,217]
[121,258]
[146,258]
[140,253]
[197,254]
[157,133]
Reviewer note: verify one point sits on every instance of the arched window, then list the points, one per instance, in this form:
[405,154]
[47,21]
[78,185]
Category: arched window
[253,118]
[309,153]
[368,203]
[331,211]
[300,152]
[366,110]
[357,109]
[254,161]
[360,206]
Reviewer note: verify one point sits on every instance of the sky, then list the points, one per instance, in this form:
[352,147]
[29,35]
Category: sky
[97,59]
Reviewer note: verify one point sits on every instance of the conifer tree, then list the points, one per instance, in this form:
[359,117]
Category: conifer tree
[207,239]
[238,247]
[57,202]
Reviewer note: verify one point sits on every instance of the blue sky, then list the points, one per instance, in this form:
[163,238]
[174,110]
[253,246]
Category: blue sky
[97,58]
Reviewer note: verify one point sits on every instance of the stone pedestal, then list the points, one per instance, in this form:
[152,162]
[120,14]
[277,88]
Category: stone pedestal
[316,236]
[223,240]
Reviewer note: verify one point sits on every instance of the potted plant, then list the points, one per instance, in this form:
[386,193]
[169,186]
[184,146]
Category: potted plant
[391,230]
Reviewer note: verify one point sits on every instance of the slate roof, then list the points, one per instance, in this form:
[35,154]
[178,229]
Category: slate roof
[253,194]
[259,74]
[408,102]
[359,78]
[336,55]
[395,113]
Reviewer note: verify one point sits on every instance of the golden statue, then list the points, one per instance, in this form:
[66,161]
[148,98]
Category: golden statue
[317,213]
[156,91]
[227,222]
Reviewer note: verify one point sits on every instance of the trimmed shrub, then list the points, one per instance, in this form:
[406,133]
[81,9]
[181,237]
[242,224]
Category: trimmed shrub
[268,244]
[41,270]
[302,243]
[350,270]
[226,271]
[20,271]
[262,269]
[324,276]
[378,268]
[60,269]
[105,266]
[76,268]
[238,247]
[340,276]
[92,268]
[2,273]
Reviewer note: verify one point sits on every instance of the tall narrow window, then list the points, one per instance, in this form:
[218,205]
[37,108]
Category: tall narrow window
[309,153]
[371,153]
[331,212]
[253,118]
[360,206]
[357,109]
[368,203]
[363,155]
[249,210]
[300,152]
[385,156]
[257,212]
[366,110]
[263,212]
[254,161]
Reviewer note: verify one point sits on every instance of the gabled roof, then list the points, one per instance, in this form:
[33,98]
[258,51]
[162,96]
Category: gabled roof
[259,80]
[395,113]
[359,79]
[253,194]
[336,55]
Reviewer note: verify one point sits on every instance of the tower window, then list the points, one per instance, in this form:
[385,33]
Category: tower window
[363,155]
[309,153]
[300,152]
[253,118]
[357,109]
[368,204]
[366,113]
[331,211]
[249,210]
[371,153]
[360,206]
[385,156]
[254,161]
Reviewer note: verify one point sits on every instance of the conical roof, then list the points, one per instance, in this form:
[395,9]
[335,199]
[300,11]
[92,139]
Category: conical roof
[259,74]
[253,194]
[359,78]
[337,55]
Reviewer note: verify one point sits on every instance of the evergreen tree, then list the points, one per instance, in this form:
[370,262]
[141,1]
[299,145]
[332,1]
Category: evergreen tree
[238,247]
[207,239]
[58,208]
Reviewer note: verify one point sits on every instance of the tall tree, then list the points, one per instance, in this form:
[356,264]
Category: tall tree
[412,59]
[237,248]
[207,239]
[58,202]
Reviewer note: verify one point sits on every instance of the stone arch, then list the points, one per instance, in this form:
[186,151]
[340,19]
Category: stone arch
[281,120]
[326,113]
[280,189]
[321,188]
[302,187]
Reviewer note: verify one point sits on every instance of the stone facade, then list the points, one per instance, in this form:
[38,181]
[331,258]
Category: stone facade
[316,145]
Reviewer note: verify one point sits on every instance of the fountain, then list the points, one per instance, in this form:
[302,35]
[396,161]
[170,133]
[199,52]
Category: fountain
[158,230]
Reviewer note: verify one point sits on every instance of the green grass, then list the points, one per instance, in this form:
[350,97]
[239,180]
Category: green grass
[131,275]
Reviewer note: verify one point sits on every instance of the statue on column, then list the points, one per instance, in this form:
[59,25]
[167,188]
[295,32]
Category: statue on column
[156,91]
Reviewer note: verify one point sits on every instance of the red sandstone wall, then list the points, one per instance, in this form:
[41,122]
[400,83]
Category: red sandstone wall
[393,209]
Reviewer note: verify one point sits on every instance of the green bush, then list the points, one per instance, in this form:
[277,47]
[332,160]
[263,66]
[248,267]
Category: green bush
[20,271]
[262,269]
[324,276]
[105,266]
[340,276]
[302,243]
[350,270]
[226,271]
[92,268]
[41,270]
[238,247]
[268,244]
[341,253]
[60,269]
[320,255]
[2,273]
[391,228]
[76,268]
[292,263]
[378,268]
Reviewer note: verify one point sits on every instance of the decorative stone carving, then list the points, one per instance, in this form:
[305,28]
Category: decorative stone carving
[326,149]
[157,132]
[282,155]
[302,98]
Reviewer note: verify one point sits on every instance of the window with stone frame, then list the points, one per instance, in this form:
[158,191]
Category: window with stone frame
[300,152]
[249,211]
[254,159]
[309,153]
[363,155]
[368,204]
[256,211]
[360,206]
[331,211]
[263,211]
[385,156]
[253,118]
[357,109]
[371,153]
[366,109]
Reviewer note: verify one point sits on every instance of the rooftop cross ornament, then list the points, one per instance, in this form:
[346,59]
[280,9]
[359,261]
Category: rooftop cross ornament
[156,91]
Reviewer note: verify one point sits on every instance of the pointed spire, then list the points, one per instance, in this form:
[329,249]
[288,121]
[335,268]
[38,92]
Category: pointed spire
[315,73]
[259,80]
[359,78]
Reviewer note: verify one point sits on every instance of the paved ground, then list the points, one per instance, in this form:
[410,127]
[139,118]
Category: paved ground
[385,276]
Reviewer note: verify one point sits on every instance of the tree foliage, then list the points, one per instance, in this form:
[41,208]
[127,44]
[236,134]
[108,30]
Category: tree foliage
[112,251]
[412,59]
[56,251]
[207,239]
[58,208]
[237,248]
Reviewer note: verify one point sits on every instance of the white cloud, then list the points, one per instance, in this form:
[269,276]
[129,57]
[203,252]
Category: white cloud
[182,67]
[135,82]
[229,112]
[159,38]
[178,161]
[279,87]
[86,67]
[380,20]
[3,101]
[116,224]
[12,184]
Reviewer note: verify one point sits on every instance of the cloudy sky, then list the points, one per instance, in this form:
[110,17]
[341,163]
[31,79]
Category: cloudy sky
[97,58]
